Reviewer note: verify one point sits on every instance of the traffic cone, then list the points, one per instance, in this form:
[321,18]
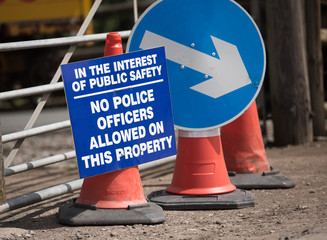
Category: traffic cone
[117,189]
[111,198]
[245,154]
[200,179]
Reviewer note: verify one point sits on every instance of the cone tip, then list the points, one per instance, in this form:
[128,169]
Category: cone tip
[113,44]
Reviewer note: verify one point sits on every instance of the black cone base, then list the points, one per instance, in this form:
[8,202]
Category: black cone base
[77,215]
[267,180]
[233,200]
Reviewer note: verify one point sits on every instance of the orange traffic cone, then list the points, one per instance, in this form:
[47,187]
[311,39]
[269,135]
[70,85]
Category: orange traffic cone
[117,189]
[245,154]
[201,171]
[115,197]
[200,179]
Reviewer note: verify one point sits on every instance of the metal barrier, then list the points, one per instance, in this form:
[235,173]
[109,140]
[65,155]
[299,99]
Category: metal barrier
[29,131]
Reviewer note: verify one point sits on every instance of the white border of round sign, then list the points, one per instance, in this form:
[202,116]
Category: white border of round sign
[258,86]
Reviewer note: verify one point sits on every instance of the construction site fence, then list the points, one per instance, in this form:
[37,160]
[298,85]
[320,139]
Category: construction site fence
[30,131]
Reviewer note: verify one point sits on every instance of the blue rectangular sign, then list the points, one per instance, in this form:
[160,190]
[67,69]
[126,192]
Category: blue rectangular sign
[120,110]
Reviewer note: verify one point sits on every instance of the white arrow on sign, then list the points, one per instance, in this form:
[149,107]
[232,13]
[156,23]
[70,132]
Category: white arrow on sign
[228,73]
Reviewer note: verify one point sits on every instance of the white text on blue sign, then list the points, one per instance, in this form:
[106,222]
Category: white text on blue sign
[120,110]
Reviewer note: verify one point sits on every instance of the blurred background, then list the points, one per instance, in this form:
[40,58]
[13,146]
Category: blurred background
[292,99]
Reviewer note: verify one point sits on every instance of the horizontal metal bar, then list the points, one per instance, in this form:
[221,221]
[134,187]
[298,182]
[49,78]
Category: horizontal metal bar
[53,42]
[67,156]
[39,163]
[35,131]
[41,195]
[31,91]
[28,199]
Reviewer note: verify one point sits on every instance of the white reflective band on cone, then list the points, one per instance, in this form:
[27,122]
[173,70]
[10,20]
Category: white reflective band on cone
[198,134]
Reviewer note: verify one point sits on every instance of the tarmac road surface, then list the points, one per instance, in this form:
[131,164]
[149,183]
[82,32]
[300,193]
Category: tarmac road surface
[13,121]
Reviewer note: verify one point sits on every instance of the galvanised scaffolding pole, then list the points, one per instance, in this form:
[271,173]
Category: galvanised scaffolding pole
[31,91]
[35,131]
[53,42]
[2,177]
[41,195]
[38,196]
[39,163]
[55,79]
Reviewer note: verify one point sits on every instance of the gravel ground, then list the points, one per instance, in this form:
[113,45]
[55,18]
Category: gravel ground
[296,213]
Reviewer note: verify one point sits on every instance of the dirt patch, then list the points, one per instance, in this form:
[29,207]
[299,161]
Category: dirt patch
[296,213]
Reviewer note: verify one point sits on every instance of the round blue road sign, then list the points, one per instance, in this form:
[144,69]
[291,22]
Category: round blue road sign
[215,58]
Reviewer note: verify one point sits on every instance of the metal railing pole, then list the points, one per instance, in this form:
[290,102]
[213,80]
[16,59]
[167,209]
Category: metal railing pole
[135,10]
[54,42]
[31,198]
[41,195]
[35,131]
[39,163]
[31,91]
[2,176]
[55,79]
